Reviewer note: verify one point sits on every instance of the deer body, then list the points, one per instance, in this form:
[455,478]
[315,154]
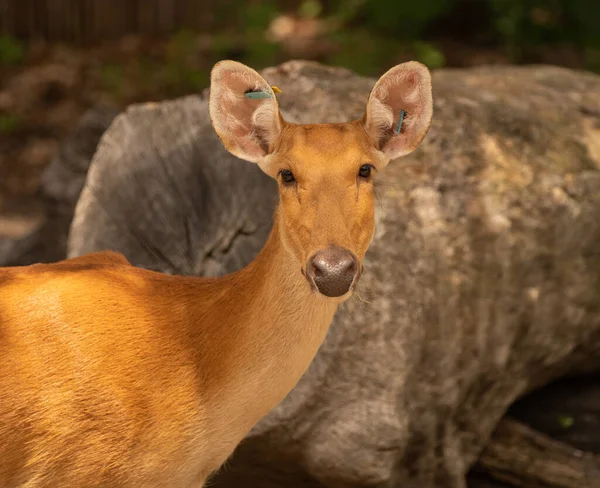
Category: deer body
[116,376]
[139,401]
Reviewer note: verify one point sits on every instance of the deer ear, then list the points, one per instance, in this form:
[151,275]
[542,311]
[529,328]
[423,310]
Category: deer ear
[243,110]
[399,109]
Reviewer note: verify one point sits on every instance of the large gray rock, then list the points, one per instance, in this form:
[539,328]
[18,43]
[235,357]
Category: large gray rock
[482,283]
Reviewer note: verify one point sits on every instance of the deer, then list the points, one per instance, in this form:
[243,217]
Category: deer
[117,376]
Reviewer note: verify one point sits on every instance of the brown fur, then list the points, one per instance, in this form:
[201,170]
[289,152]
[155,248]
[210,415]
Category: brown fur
[111,375]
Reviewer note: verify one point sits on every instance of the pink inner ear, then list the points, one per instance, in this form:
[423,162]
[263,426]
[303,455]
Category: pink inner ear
[236,108]
[246,123]
[401,92]
[405,88]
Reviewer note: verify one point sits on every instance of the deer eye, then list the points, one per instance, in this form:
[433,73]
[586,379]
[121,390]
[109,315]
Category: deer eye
[365,171]
[287,176]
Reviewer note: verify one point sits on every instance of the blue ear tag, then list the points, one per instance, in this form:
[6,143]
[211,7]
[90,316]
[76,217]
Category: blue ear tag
[256,95]
[399,127]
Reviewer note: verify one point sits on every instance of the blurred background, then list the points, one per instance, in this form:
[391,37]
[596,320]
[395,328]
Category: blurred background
[61,57]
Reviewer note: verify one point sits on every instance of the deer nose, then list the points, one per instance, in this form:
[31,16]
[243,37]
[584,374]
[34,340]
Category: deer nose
[333,271]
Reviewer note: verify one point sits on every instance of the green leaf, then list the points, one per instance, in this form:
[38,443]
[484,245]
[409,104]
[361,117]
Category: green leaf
[429,55]
[310,9]
[12,51]
[566,421]
[8,123]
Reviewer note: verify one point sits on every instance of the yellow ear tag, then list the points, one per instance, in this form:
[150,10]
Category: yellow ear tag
[275,89]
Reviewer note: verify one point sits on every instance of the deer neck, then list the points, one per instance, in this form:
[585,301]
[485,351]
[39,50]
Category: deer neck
[269,329]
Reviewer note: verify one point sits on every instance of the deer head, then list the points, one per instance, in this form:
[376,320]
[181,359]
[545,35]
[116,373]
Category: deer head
[324,171]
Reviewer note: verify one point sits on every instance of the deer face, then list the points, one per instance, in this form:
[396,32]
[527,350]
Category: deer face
[324,171]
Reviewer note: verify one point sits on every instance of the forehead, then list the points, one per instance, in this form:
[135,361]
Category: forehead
[331,142]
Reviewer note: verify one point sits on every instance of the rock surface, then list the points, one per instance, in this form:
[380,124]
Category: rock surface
[481,284]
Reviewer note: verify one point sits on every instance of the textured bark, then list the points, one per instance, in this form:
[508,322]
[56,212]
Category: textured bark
[481,284]
[170,211]
[524,457]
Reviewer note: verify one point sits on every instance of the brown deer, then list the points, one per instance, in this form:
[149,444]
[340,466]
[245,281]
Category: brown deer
[116,376]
